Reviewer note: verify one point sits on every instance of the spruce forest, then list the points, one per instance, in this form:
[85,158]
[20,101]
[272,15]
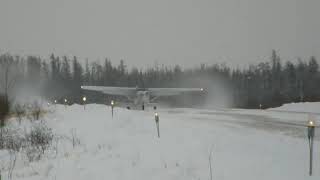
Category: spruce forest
[263,85]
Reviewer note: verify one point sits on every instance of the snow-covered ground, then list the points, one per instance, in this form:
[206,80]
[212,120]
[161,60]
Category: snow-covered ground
[245,144]
[309,107]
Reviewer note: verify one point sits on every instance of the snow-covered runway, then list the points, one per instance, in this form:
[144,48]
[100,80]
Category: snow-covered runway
[245,144]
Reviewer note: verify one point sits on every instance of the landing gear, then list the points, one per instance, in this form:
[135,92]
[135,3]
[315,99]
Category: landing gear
[154,107]
[142,107]
[128,107]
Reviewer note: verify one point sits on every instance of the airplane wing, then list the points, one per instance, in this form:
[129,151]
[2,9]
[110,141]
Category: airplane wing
[121,91]
[172,91]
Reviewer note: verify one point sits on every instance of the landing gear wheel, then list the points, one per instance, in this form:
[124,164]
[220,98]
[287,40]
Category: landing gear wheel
[154,107]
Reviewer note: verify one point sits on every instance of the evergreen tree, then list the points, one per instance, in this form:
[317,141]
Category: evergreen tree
[77,80]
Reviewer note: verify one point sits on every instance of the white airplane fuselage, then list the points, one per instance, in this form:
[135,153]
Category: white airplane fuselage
[142,98]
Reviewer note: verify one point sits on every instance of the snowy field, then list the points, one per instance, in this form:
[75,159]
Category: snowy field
[245,144]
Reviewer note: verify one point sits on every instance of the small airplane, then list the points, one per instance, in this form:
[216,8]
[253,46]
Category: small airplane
[141,96]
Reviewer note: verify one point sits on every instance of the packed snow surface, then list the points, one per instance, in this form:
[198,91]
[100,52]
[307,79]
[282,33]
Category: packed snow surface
[244,144]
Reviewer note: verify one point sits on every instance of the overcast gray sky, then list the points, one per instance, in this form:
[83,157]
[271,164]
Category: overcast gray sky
[142,32]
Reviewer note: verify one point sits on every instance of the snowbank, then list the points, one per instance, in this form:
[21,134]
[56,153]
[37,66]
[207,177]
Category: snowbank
[307,107]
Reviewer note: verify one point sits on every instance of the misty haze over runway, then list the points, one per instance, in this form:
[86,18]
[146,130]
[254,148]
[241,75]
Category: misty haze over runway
[148,32]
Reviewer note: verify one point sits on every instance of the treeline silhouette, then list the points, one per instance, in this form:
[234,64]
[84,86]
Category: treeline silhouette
[267,84]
